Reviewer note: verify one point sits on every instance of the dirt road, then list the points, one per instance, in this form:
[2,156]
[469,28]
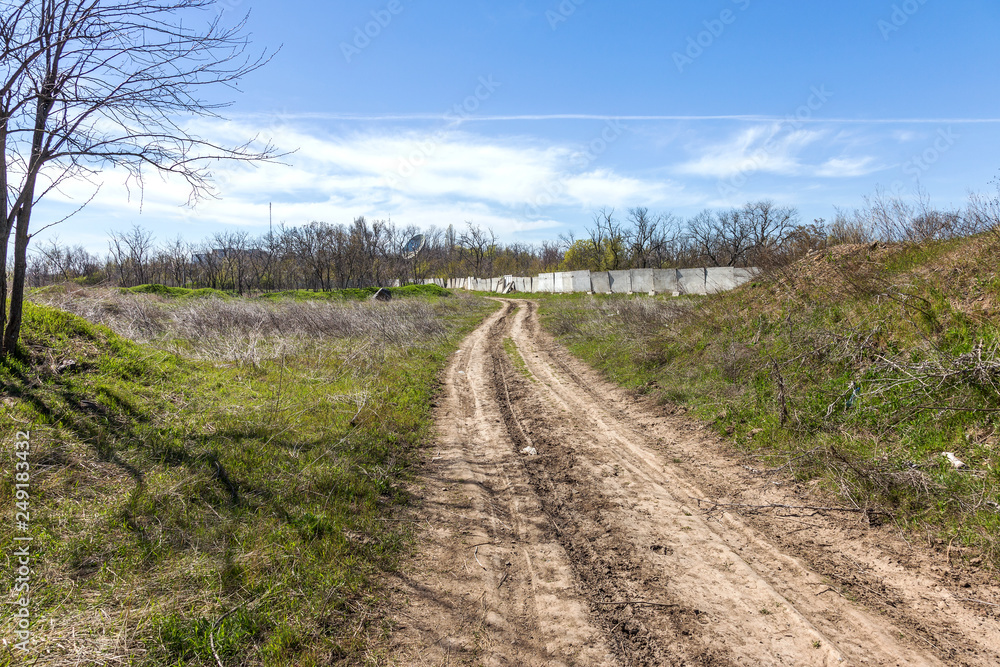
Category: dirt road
[602,550]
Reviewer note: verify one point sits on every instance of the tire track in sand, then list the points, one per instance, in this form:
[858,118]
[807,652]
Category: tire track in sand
[595,552]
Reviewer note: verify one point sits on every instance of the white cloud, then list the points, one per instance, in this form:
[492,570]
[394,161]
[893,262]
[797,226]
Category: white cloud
[847,167]
[414,177]
[761,148]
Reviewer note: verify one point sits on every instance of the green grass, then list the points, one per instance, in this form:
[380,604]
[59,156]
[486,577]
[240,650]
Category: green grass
[856,371]
[358,294]
[516,358]
[177,292]
[169,494]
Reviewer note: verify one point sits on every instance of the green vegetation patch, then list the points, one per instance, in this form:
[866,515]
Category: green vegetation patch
[516,358]
[181,498]
[360,294]
[177,292]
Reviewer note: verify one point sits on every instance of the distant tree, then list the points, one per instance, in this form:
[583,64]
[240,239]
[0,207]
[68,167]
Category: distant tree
[479,246]
[130,254]
[580,255]
[748,236]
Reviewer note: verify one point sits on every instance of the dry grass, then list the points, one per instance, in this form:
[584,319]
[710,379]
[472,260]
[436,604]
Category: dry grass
[249,332]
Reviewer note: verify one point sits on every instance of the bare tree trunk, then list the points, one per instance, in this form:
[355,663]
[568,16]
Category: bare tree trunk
[13,331]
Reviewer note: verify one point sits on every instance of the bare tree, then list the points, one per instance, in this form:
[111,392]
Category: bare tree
[768,227]
[744,236]
[610,240]
[91,84]
[720,238]
[480,246]
[313,245]
[176,260]
[130,254]
[56,258]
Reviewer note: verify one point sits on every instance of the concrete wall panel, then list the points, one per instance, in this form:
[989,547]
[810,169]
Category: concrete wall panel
[600,283]
[660,281]
[557,282]
[719,279]
[621,281]
[580,281]
[546,282]
[691,281]
[665,281]
[742,276]
[564,282]
[642,280]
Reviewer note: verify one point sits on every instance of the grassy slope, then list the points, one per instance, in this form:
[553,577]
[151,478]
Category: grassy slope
[915,329]
[168,492]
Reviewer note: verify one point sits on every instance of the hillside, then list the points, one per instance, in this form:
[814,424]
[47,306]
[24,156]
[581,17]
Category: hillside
[216,477]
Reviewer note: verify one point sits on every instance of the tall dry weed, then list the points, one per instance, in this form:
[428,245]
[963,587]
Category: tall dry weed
[248,331]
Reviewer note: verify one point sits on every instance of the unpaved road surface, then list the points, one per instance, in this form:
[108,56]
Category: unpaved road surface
[601,549]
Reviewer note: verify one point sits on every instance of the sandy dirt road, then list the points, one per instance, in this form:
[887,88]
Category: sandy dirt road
[602,550]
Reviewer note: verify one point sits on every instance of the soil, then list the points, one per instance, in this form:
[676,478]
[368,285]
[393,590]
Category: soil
[620,543]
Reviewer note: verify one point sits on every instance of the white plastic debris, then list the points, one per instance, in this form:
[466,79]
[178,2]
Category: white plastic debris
[954,460]
[530,451]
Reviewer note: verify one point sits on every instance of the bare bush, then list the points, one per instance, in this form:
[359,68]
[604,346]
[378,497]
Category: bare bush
[851,227]
[133,316]
[893,219]
[983,212]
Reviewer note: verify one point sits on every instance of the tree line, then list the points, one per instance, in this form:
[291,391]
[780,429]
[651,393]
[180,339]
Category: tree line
[325,256]
[317,256]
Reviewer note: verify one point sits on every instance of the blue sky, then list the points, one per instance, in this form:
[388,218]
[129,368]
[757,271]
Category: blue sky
[528,116]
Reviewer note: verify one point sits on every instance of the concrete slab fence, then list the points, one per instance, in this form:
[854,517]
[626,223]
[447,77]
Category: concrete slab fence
[633,281]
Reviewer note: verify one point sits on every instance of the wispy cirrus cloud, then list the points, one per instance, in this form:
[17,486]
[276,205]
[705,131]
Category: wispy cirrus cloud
[757,118]
[847,167]
[771,149]
[761,148]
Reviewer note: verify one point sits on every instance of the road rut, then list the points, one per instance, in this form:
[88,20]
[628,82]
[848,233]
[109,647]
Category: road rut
[608,547]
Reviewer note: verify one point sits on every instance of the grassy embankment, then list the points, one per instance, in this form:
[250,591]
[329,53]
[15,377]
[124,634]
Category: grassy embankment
[216,470]
[856,369]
